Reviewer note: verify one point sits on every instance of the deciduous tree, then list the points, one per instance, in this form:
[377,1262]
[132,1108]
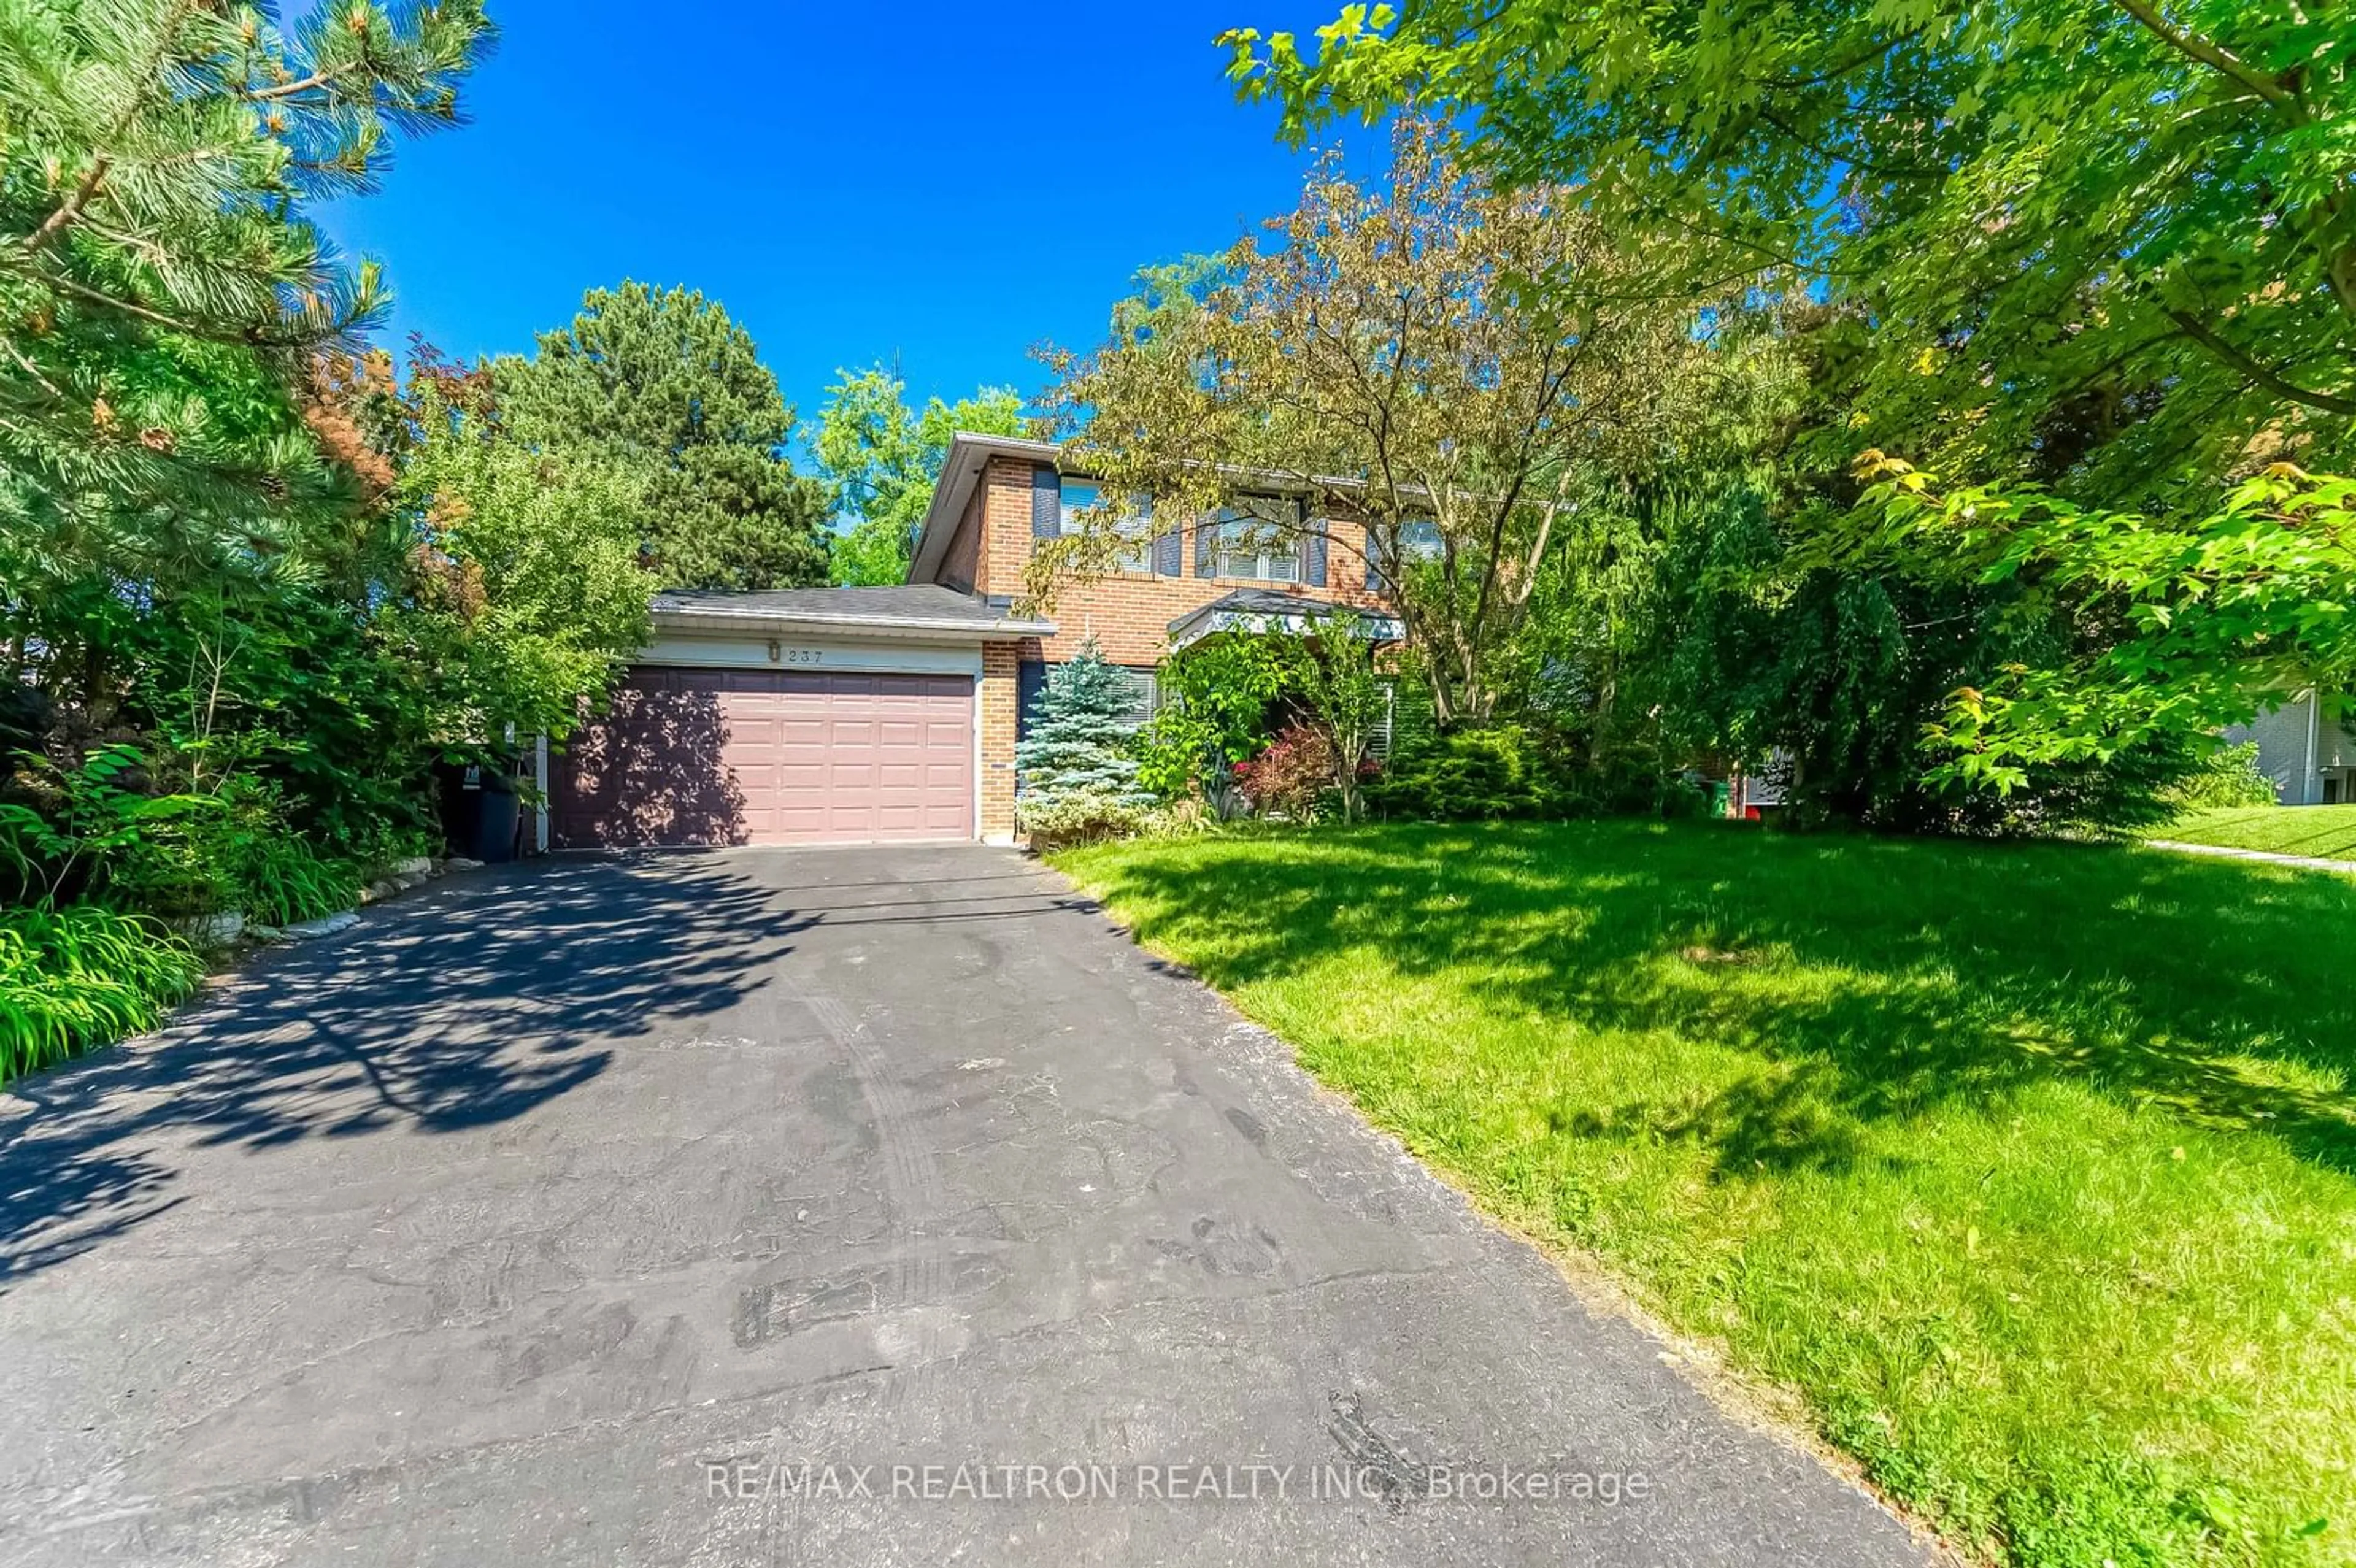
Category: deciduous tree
[881,459]
[526,594]
[2093,261]
[1390,353]
[2107,244]
[2256,596]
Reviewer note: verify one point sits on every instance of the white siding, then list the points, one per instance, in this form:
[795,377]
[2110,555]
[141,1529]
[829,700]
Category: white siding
[2296,749]
[836,652]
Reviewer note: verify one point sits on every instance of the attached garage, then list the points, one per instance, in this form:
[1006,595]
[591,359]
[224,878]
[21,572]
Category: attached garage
[817,716]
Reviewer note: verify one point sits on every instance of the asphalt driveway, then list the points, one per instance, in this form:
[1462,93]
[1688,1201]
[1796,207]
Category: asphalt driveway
[588,1212]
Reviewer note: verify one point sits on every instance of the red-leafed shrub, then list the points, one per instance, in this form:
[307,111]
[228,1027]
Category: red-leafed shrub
[1292,777]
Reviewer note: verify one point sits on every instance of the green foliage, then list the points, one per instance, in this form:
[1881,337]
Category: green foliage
[2228,777]
[2091,258]
[1483,776]
[1739,641]
[2206,613]
[160,281]
[1176,748]
[278,879]
[1345,697]
[249,590]
[92,821]
[1508,772]
[1085,815]
[1379,354]
[2100,244]
[529,595]
[237,853]
[1216,697]
[80,977]
[1080,742]
[881,459]
[663,389]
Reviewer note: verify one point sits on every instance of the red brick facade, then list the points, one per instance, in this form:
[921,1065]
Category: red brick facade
[1129,612]
[994,705]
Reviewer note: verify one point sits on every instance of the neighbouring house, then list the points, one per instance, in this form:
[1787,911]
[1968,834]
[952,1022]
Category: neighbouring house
[2306,748]
[854,715]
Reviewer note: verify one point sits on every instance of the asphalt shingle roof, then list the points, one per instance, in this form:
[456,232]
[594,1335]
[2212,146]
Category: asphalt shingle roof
[914,602]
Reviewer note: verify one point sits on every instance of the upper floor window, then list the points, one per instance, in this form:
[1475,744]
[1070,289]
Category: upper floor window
[1256,538]
[1135,525]
[1419,540]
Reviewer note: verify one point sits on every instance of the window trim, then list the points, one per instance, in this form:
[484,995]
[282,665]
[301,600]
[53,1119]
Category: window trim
[1290,532]
[1379,580]
[1138,559]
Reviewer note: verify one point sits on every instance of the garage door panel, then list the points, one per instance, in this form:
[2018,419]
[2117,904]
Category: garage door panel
[698,756]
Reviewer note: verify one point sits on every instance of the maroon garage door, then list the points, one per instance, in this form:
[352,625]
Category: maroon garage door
[729,756]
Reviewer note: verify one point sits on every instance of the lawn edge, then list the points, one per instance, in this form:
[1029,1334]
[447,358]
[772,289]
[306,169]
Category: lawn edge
[1761,1404]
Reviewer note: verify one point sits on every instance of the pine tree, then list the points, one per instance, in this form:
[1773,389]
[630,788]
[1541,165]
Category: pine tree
[663,383]
[159,281]
[161,288]
[1079,743]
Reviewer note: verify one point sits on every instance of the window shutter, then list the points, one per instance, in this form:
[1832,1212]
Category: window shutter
[1312,555]
[1170,554]
[1141,687]
[1206,544]
[1030,685]
[1046,502]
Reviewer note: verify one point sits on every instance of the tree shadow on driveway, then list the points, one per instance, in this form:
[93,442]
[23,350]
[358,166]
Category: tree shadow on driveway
[465,1007]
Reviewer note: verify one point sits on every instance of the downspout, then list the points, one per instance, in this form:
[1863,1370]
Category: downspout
[2307,792]
[539,811]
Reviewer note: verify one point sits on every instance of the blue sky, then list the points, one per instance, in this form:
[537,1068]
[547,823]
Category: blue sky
[948,184]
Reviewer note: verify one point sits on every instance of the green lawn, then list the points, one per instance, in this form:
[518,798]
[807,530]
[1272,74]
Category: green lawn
[2327,832]
[2032,1167]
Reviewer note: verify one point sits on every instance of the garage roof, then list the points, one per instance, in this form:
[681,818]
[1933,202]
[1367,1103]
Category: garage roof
[918,609]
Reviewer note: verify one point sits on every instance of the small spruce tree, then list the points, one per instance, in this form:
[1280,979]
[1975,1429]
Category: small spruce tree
[1079,743]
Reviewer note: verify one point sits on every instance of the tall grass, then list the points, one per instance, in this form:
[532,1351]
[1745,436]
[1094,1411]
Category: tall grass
[282,880]
[82,976]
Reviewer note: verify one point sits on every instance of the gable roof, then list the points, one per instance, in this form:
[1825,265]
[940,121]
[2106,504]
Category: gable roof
[1261,610]
[968,454]
[960,471]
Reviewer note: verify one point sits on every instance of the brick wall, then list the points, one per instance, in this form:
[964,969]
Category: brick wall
[1129,612]
[1005,533]
[995,701]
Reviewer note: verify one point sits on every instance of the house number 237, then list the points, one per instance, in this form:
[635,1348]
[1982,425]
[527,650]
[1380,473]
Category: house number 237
[780,654]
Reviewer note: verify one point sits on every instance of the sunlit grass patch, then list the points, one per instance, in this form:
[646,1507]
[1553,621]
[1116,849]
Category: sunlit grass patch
[2031,1168]
[2321,832]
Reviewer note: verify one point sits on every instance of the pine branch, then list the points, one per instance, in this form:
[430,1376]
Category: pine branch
[71,207]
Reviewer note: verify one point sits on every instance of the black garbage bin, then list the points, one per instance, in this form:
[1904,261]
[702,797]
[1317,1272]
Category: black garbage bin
[497,813]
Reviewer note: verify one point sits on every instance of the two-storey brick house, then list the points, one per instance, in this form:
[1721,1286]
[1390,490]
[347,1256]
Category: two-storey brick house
[999,495]
[847,715]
